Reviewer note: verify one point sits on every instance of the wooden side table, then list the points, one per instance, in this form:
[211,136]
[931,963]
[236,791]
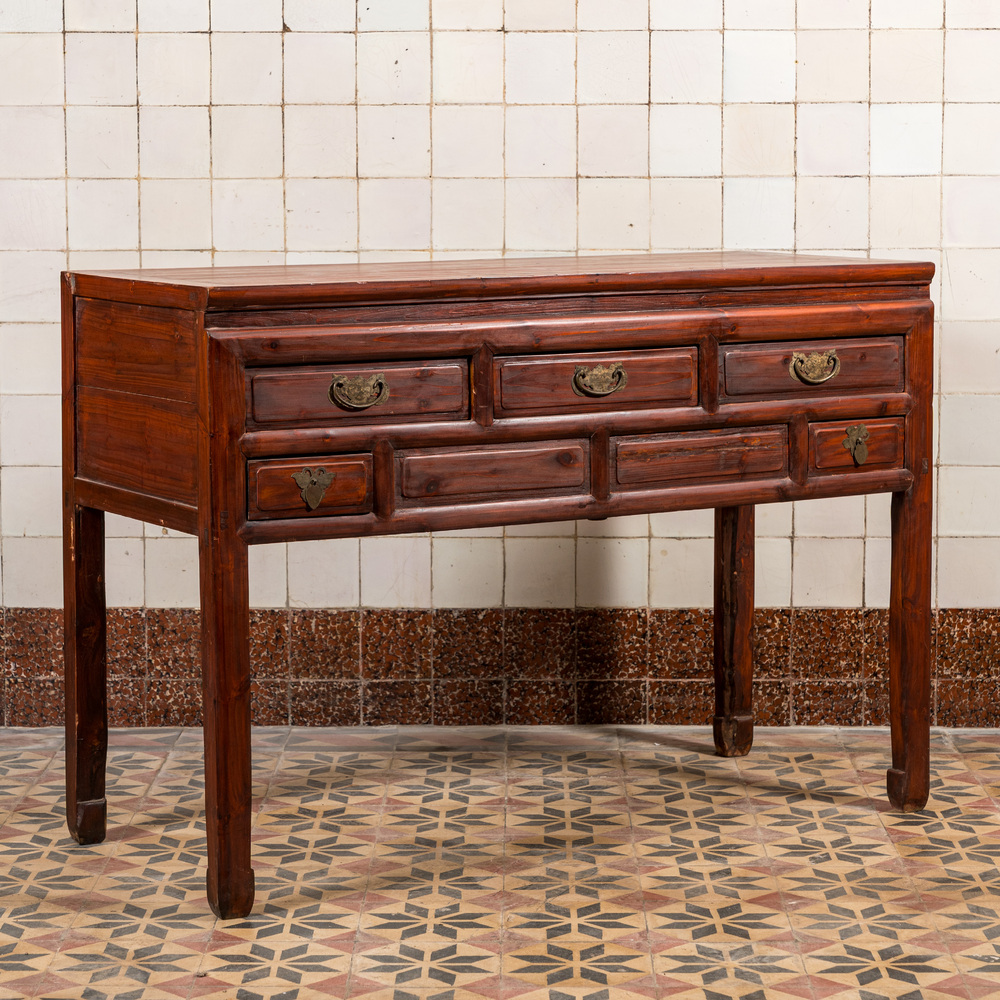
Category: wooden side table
[250,405]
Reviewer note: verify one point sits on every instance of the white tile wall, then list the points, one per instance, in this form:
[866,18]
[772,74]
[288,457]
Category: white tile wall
[255,131]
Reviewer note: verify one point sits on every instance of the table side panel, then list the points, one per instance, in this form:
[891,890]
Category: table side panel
[135,408]
[139,349]
[140,443]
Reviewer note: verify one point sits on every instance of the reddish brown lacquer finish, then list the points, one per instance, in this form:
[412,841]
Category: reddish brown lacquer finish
[454,473]
[248,405]
[527,385]
[310,487]
[692,455]
[763,369]
[883,443]
[438,390]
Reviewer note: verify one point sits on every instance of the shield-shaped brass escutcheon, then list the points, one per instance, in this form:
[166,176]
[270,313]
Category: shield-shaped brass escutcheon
[855,443]
[313,485]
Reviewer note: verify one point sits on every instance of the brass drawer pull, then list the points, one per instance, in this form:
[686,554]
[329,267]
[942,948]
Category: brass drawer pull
[601,380]
[313,485]
[855,443]
[814,369]
[358,392]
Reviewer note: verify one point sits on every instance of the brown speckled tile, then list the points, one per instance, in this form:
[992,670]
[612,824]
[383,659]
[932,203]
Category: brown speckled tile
[828,643]
[468,643]
[269,629]
[772,639]
[269,702]
[876,626]
[34,642]
[173,702]
[325,645]
[772,703]
[692,703]
[968,642]
[397,703]
[468,703]
[827,703]
[396,644]
[876,668]
[540,703]
[876,703]
[127,655]
[325,703]
[681,703]
[612,643]
[680,644]
[540,643]
[617,702]
[126,701]
[174,643]
[968,701]
[34,701]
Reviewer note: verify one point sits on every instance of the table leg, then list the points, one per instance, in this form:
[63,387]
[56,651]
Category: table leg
[908,780]
[225,654]
[732,725]
[85,660]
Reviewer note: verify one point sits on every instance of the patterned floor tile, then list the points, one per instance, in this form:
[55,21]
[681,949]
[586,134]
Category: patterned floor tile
[576,963]
[425,965]
[874,964]
[730,969]
[560,863]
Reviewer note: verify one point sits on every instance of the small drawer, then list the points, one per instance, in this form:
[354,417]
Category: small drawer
[490,471]
[813,367]
[690,456]
[395,390]
[567,383]
[309,487]
[844,445]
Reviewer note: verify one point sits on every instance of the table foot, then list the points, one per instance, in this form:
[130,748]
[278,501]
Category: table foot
[89,822]
[231,896]
[905,794]
[733,735]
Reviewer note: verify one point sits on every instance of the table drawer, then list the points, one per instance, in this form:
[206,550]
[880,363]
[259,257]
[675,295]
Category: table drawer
[309,487]
[688,456]
[842,445]
[377,393]
[566,383]
[813,367]
[489,471]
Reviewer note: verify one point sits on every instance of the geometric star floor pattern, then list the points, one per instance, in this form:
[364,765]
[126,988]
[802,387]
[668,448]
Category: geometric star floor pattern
[568,863]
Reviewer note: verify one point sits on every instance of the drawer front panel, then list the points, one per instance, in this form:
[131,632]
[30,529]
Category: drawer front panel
[482,472]
[833,447]
[823,366]
[559,383]
[307,487]
[662,459]
[377,392]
